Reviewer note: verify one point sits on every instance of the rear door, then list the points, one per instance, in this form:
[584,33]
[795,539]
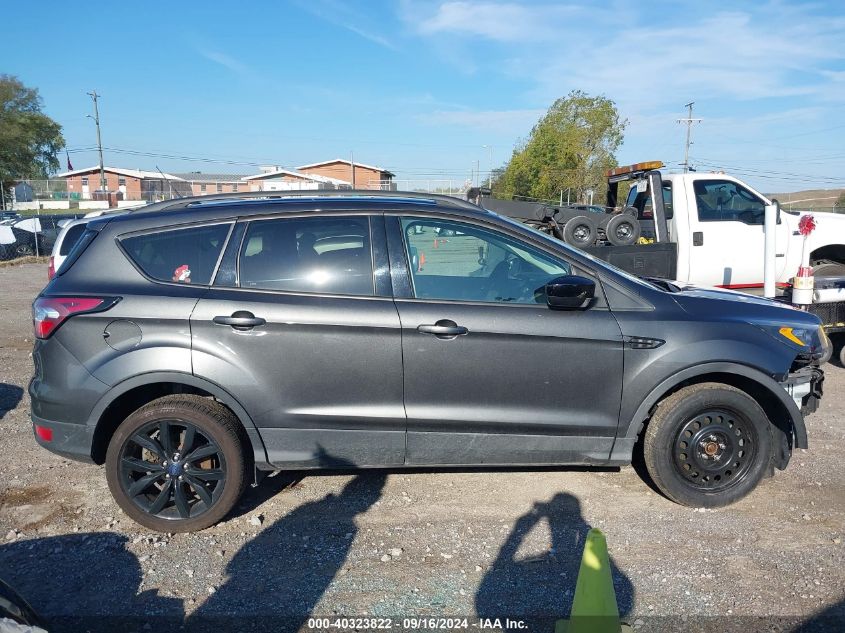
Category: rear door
[300,327]
[493,375]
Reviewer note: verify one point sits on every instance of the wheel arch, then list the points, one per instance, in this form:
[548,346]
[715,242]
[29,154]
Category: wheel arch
[781,410]
[133,393]
[830,252]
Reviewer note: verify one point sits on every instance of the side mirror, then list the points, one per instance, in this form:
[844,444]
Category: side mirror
[777,210]
[570,292]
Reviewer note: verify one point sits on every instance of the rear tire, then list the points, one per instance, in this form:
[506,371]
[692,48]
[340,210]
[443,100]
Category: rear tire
[177,464]
[580,231]
[707,445]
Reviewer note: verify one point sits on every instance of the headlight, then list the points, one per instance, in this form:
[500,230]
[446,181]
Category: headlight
[800,336]
[811,342]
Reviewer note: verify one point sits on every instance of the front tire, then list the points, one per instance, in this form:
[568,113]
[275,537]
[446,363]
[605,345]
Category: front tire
[177,464]
[707,445]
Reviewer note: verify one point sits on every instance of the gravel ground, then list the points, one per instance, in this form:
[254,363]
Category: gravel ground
[458,543]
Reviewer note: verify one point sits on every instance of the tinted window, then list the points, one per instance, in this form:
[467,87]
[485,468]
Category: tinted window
[724,200]
[328,255]
[71,237]
[179,255]
[461,262]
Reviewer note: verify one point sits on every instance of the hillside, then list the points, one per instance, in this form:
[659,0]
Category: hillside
[808,199]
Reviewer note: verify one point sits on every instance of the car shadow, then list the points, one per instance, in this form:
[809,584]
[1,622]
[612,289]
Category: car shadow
[830,620]
[539,588]
[10,396]
[86,582]
[276,579]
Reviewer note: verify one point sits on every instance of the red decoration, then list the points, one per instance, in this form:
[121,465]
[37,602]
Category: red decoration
[806,225]
[182,274]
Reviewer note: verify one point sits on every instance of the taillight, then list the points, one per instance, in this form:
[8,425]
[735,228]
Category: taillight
[51,269]
[48,313]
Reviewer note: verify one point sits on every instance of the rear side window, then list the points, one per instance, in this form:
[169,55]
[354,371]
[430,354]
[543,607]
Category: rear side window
[185,256]
[327,255]
[71,238]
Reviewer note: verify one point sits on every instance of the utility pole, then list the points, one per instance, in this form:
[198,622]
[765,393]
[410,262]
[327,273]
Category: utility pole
[490,177]
[352,166]
[689,121]
[94,96]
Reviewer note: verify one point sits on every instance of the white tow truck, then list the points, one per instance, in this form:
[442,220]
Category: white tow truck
[716,221]
[707,229]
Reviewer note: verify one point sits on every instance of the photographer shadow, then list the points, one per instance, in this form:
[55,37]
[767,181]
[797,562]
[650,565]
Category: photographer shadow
[539,589]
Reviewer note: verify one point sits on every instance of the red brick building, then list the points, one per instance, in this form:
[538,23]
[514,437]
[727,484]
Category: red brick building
[133,184]
[362,177]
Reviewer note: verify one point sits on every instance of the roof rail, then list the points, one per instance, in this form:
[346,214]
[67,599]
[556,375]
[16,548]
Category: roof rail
[181,203]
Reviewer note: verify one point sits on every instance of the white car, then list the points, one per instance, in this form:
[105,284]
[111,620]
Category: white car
[71,231]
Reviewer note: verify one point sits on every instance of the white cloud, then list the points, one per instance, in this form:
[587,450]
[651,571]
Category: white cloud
[226,61]
[483,120]
[642,60]
[507,22]
[343,15]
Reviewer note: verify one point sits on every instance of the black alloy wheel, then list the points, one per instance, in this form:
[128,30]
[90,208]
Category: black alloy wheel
[179,463]
[172,470]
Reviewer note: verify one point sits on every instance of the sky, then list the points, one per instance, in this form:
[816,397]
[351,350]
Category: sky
[436,90]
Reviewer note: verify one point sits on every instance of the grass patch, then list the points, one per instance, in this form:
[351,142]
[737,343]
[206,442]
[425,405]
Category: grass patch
[31,259]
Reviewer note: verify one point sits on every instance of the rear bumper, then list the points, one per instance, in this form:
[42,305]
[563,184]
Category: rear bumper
[69,440]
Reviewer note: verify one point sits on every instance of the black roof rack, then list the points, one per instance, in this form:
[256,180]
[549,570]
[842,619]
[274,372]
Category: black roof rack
[181,203]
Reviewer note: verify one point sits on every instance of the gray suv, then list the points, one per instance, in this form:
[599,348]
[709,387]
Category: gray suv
[193,348]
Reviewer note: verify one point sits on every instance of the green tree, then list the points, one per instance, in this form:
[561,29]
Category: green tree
[840,202]
[29,139]
[571,147]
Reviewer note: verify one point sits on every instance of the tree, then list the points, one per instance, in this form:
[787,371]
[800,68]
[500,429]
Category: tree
[571,147]
[840,202]
[29,139]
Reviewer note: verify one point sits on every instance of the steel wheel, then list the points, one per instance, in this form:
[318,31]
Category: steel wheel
[171,469]
[715,449]
[707,445]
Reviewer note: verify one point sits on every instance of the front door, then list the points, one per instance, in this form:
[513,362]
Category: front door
[295,329]
[726,235]
[492,374]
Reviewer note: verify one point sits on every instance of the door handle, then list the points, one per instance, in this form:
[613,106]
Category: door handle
[443,329]
[240,320]
[698,238]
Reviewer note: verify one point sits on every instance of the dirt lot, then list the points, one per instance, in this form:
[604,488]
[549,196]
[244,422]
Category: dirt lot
[395,543]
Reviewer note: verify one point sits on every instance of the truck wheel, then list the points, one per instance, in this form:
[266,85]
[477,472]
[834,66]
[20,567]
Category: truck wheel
[177,464]
[623,230]
[828,269]
[707,445]
[580,231]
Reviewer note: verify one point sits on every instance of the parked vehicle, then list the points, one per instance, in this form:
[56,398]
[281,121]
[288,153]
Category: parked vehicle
[70,233]
[193,350]
[34,235]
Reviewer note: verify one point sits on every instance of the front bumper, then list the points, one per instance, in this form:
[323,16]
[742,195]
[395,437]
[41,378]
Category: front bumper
[805,386]
[69,440]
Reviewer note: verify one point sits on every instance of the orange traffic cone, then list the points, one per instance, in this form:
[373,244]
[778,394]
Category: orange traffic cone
[421,262]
